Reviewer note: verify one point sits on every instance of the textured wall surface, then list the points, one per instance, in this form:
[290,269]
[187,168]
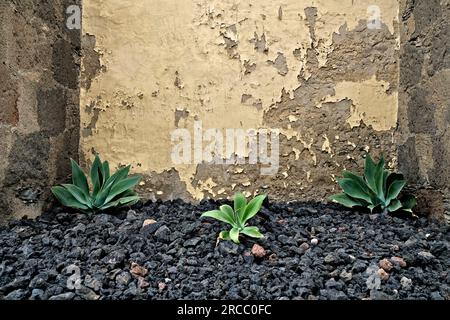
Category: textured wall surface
[39,102]
[424,98]
[312,69]
[333,87]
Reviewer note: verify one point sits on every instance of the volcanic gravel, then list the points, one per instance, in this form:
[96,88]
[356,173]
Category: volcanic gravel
[312,251]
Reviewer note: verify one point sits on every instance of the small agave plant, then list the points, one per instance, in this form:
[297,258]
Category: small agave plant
[377,188]
[238,217]
[107,191]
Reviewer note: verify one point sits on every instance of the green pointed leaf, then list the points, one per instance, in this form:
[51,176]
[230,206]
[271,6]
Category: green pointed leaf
[66,198]
[219,215]
[129,201]
[239,203]
[252,208]
[78,177]
[100,200]
[369,173]
[121,202]
[347,201]
[394,206]
[118,176]
[234,235]
[364,186]
[127,193]
[96,175]
[122,173]
[78,194]
[354,190]
[227,210]
[105,172]
[224,235]
[386,175]
[252,232]
[379,179]
[394,190]
[354,177]
[392,177]
[122,186]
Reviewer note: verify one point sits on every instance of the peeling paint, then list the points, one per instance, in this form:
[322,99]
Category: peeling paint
[241,65]
[370,103]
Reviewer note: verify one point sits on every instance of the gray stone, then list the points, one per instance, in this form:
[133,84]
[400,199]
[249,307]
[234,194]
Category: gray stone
[172,270]
[123,278]
[38,294]
[330,259]
[192,242]
[18,294]
[406,283]
[426,257]
[93,283]
[379,295]
[163,233]
[87,294]
[228,247]
[115,258]
[373,281]
[132,215]
[436,296]
[79,228]
[63,296]
[150,229]
[346,276]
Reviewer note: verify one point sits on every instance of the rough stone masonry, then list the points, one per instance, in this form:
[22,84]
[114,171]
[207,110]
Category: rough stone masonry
[39,102]
[423,134]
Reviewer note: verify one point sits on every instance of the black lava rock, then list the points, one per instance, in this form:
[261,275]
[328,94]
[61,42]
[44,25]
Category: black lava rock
[178,257]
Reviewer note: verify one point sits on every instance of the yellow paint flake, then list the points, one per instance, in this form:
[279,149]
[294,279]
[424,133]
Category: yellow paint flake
[326,146]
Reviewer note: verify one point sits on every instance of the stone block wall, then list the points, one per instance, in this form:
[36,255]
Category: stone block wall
[424,100]
[39,102]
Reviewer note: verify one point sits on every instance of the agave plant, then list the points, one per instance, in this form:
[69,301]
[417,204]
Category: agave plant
[107,191]
[238,217]
[377,188]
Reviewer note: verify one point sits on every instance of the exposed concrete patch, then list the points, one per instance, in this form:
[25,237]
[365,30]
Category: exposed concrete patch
[165,185]
[249,100]
[180,114]
[91,61]
[371,103]
[249,67]
[260,43]
[280,64]
[95,113]
[178,83]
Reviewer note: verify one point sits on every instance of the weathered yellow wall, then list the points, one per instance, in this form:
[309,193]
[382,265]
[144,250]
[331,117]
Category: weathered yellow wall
[309,68]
